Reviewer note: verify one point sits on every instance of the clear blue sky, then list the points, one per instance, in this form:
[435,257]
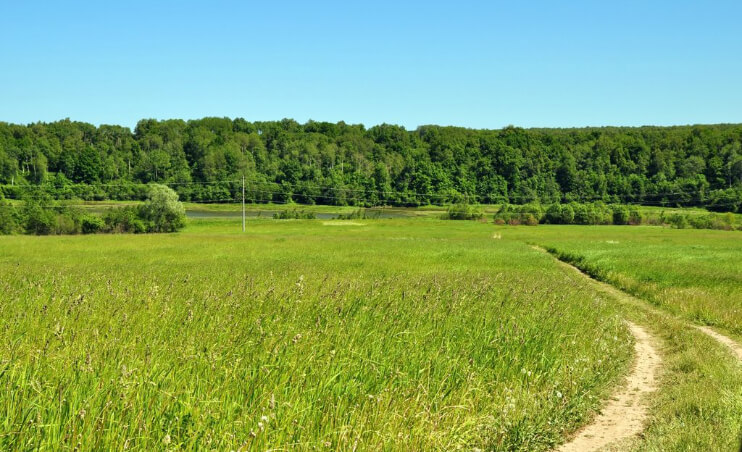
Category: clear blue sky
[476,64]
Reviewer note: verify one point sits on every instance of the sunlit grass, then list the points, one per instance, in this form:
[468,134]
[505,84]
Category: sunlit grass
[410,334]
[692,276]
[696,274]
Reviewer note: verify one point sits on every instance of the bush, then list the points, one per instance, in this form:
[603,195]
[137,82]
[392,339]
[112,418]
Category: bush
[294,214]
[162,212]
[39,221]
[620,214]
[560,214]
[528,214]
[359,214]
[41,215]
[635,217]
[91,224]
[553,214]
[530,219]
[678,221]
[601,213]
[582,213]
[67,223]
[124,220]
[463,211]
[8,217]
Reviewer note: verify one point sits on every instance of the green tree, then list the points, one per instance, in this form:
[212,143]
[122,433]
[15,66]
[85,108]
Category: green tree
[162,210]
[8,217]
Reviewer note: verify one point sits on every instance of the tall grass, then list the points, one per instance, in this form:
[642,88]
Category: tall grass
[694,275]
[405,334]
[691,273]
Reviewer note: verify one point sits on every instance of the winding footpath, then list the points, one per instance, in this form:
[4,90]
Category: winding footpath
[732,345]
[625,413]
[624,416]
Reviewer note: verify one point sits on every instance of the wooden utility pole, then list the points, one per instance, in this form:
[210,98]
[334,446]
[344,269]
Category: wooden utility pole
[243,203]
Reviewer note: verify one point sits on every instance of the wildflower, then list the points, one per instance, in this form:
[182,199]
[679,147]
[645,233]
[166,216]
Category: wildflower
[166,439]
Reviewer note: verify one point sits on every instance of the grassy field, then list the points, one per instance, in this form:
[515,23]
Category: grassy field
[407,334]
[695,274]
[688,277]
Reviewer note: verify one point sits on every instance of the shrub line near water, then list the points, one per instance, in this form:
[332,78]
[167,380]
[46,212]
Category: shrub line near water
[39,214]
[599,213]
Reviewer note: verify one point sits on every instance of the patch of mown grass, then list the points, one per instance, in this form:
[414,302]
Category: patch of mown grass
[405,334]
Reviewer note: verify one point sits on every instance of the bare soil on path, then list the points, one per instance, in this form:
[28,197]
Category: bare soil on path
[625,414]
[724,340]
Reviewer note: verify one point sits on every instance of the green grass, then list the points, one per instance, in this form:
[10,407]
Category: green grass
[396,334]
[695,274]
[687,276]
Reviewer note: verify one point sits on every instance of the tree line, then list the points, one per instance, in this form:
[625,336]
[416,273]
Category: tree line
[341,164]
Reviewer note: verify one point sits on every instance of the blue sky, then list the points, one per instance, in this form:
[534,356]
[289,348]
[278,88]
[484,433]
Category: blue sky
[465,63]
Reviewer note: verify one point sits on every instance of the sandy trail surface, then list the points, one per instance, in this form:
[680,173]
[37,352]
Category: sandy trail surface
[626,412]
[624,415]
[728,342]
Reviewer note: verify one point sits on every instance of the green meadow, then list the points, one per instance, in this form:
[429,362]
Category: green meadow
[685,278]
[403,334]
[695,274]
[396,334]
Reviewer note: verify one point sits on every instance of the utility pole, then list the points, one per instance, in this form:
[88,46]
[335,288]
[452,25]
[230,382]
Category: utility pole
[243,203]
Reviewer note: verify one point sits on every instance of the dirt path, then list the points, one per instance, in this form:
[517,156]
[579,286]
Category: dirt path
[624,415]
[734,346]
[731,344]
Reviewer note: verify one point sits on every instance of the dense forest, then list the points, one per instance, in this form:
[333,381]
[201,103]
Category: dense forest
[325,163]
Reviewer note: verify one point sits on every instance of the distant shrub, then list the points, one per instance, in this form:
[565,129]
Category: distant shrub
[600,213]
[635,217]
[463,211]
[712,221]
[359,214]
[8,217]
[582,213]
[68,221]
[39,220]
[527,214]
[162,212]
[725,200]
[560,214]
[620,214]
[91,224]
[678,221]
[530,219]
[294,214]
[40,214]
[553,214]
[124,220]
